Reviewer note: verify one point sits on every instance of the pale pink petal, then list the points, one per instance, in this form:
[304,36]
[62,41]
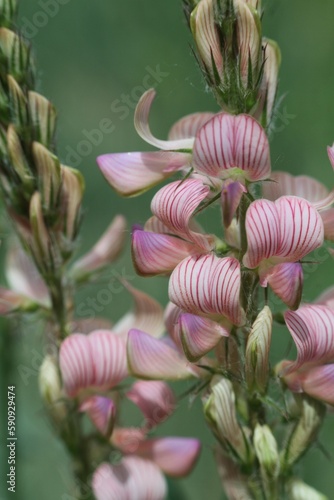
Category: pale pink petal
[231,196]
[286,280]
[188,126]
[199,335]
[318,383]
[147,315]
[128,439]
[102,412]
[263,232]
[326,298]
[106,250]
[155,399]
[325,203]
[208,284]
[330,151]
[154,225]
[133,478]
[328,221]
[301,228]
[175,456]
[88,325]
[133,173]
[143,129]
[11,301]
[151,358]
[154,254]
[175,205]
[97,360]
[232,142]
[172,314]
[312,329]
[285,184]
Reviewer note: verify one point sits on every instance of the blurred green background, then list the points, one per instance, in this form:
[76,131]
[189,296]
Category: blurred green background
[90,56]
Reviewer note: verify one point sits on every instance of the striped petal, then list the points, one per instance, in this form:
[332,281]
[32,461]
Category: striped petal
[97,360]
[285,184]
[147,315]
[209,285]
[175,205]
[102,412]
[326,298]
[228,145]
[133,478]
[175,456]
[328,221]
[199,335]
[301,228]
[318,383]
[155,399]
[286,280]
[312,329]
[143,129]
[172,314]
[154,254]
[189,125]
[151,358]
[106,250]
[263,232]
[249,40]
[231,196]
[133,173]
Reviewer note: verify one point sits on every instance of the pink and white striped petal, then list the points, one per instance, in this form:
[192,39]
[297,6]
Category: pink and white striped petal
[285,184]
[141,120]
[199,335]
[154,398]
[133,173]
[175,456]
[147,315]
[133,478]
[328,221]
[231,196]
[318,383]
[97,360]
[102,412]
[312,329]
[263,232]
[155,359]
[189,125]
[228,146]
[154,254]
[209,285]
[301,228]
[286,280]
[175,205]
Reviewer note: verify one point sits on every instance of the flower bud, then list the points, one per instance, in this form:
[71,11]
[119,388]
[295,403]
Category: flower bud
[257,352]
[220,412]
[16,55]
[41,241]
[11,302]
[8,9]
[267,454]
[50,387]
[272,62]
[17,157]
[301,491]
[43,118]
[18,106]
[73,186]
[49,175]
[235,485]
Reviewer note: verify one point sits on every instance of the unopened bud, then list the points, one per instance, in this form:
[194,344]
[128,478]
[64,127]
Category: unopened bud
[301,491]
[41,239]
[227,353]
[235,484]
[50,387]
[220,411]
[3,144]
[16,54]
[267,454]
[43,118]
[8,9]
[272,62]
[73,186]
[257,352]
[17,157]
[18,105]
[49,175]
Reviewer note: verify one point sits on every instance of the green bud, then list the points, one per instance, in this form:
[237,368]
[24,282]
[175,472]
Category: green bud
[15,55]
[73,186]
[17,157]
[268,91]
[235,484]
[43,118]
[301,491]
[40,243]
[51,388]
[49,175]
[8,9]
[18,105]
[267,454]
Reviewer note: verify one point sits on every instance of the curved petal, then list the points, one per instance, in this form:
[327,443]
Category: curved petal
[133,173]
[133,478]
[232,142]
[175,205]
[231,196]
[155,399]
[301,228]
[106,250]
[312,329]
[285,184]
[318,383]
[286,280]
[127,439]
[326,298]
[189,125]
[151,358]
[147,315]
[175,456]
[328,221]
[154,254]
[102,412]
[199,335]
[96,360]
[330,151]
[11,301]
[208,284]
[143,129]
[172,314]
[263,232]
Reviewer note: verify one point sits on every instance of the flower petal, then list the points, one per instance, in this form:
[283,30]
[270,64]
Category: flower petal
[328,220]
[172,314]
[232,142]
[318,383]
[96,360]
[208,284]
[176,203]
[11,301]
[263,232]
[133,478]
[326,298]
[286,280]
[155,399]
[102,412]
[285,184]
[133,173]
[151,358]
[175,456]
[189,125]
[231,196]
[143,129]
[330,151]
[199,335]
